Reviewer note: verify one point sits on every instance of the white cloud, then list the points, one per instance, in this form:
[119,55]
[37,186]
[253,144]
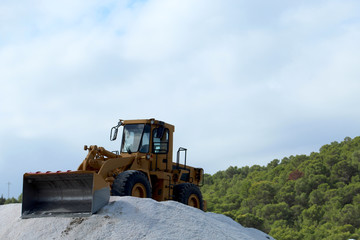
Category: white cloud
[321,14]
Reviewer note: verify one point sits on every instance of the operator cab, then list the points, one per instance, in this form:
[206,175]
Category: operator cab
[147,136]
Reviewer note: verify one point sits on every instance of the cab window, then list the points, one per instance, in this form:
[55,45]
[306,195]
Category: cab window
[160,140]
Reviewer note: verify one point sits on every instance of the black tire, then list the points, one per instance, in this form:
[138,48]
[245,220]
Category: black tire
[131,183]
[189,194]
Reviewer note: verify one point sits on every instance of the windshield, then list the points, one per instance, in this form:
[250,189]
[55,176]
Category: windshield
[132,138]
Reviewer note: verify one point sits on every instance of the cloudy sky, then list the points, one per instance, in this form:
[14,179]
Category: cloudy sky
[244,82]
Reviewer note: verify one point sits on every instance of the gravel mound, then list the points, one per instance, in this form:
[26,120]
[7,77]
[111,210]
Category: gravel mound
[127,218]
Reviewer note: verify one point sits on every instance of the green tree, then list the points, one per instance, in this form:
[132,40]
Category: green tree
[250,220]
[274,212]
[281,230]
[262,192]
[343,171]
[312,215]
[11,200]
[2,200]
[286,193]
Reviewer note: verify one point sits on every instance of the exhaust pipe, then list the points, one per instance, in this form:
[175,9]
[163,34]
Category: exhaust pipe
[72,193]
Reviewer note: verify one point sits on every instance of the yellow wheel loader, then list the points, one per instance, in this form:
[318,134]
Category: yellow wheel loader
[143,168]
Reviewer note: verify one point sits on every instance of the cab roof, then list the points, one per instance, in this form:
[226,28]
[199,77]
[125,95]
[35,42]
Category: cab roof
[151,121]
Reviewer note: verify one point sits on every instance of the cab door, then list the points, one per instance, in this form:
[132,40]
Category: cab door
[160,149]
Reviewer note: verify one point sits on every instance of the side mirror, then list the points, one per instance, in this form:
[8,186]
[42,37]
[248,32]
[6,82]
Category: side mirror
[114,130]
[113,133]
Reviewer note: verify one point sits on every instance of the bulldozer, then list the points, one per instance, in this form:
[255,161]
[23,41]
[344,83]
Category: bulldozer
[142,167]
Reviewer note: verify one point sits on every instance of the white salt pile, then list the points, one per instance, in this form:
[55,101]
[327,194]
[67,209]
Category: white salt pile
[127,218]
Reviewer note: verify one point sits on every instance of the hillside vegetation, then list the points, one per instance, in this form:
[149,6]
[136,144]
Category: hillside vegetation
[299,197]
[10,200]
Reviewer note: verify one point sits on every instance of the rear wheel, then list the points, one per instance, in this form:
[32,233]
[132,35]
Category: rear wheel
[189,194]
[131,183]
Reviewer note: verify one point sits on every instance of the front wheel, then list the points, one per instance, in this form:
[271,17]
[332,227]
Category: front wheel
[189,194]
[131,183]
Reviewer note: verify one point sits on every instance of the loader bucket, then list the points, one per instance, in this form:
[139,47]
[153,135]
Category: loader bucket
[72,193]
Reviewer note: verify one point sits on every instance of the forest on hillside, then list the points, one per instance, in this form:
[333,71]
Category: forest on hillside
[314,196]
